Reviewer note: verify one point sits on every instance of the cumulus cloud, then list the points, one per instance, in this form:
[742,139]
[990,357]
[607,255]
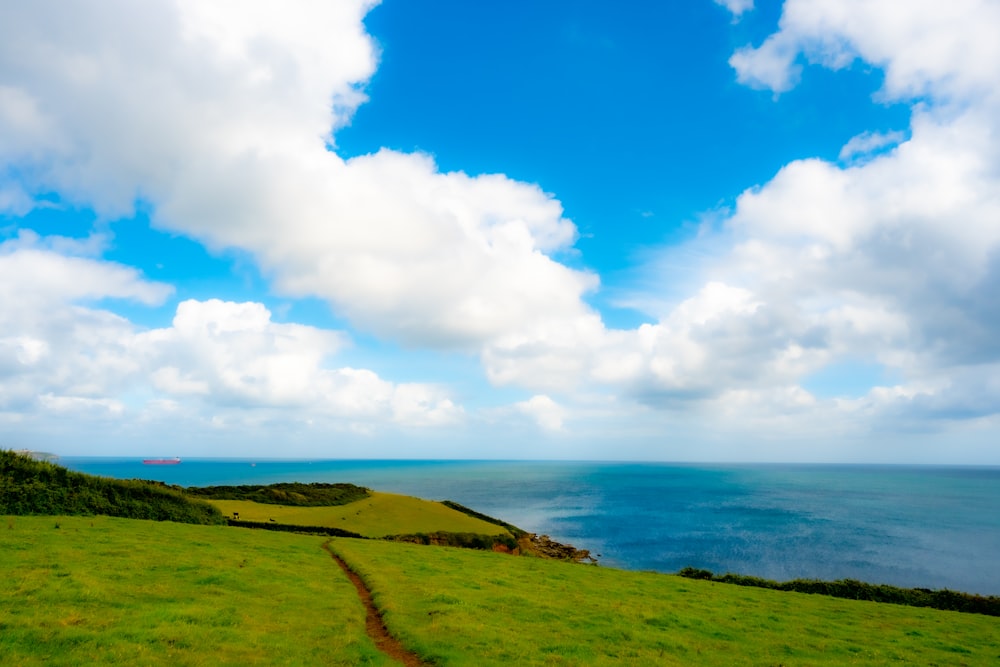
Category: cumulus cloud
[893,256]
[79,406]
[35,272]
[737,7]
[890,256]
[667,356]
[49,345]
[234,354]
[942,50]
[549,414]
[60,356]
[221,117]
[771,66]
[868,143]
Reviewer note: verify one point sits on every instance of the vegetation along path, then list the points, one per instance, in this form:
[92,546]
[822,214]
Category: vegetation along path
[374,624]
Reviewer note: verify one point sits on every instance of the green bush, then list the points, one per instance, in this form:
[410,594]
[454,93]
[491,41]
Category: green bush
[28,486]
[461,540]
[517,532]
[695,573]
[286,493]
[853,589]
[295,528]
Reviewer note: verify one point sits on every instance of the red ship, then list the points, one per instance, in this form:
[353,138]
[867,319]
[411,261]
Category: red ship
[162,462]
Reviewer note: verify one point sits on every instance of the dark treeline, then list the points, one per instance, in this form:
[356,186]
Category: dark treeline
[292,528]
[858,590]
[517,532]
[462,540]
[29,486]
[285,493]
[439,538]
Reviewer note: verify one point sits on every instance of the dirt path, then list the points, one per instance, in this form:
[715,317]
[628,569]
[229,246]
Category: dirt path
[373,619]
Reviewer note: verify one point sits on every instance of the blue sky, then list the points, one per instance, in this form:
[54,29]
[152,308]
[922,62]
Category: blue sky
[709,231]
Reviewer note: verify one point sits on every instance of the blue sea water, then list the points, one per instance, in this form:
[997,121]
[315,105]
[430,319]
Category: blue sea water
[913,526]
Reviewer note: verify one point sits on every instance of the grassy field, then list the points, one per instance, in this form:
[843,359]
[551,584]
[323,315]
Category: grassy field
[451,605]
[97,590]
[377,516]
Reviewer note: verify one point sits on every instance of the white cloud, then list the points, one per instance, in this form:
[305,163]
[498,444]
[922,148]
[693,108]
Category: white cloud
[233,355]
[549,414]
[220,115]
[61,357]
[14,200]
[81,406]
[736,7]
[944,50]
[430,258]
[423,405]
[720,337]
[868,142]
[50,346]
[36,272]
[233,352]
[771,65]
[892,257]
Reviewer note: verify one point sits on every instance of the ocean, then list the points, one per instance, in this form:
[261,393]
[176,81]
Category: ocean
[912,526]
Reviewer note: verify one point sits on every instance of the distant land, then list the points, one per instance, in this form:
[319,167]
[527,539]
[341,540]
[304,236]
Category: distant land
[38,456]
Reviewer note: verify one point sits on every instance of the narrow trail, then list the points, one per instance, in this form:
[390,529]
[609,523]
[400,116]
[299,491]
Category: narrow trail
[374,624]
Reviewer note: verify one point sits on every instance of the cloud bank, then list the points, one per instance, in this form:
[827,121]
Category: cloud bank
[222,118]
[890,257]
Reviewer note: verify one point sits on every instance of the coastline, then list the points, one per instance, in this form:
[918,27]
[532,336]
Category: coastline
[906,526]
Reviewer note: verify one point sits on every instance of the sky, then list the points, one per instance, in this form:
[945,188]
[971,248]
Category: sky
[711,230]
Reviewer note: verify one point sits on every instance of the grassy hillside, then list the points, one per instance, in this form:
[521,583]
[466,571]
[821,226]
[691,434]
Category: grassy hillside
[100,590]
[378,515]
[461,607]
[94,589]
[29,486]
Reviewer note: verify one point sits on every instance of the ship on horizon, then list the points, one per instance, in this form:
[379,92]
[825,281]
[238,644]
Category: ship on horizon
[162,462]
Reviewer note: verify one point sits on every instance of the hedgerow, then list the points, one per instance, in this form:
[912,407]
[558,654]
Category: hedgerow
[853,589]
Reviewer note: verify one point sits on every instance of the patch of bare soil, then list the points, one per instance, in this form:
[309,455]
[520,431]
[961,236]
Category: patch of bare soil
[374,624]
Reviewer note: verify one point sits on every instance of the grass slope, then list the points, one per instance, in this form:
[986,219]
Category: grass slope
[102,590]
[378,515]
[110,591]
[459,607]
[80,590]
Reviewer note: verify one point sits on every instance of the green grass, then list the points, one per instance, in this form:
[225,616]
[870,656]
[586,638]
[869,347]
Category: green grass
[99,590]
[458,607]
[379,515]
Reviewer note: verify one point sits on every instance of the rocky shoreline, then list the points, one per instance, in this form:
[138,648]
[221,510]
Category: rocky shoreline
[543,546]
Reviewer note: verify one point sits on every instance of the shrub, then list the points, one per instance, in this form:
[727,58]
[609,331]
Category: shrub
[853,589]
[286,493]
[514,530]
[28,486]
[461,540]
